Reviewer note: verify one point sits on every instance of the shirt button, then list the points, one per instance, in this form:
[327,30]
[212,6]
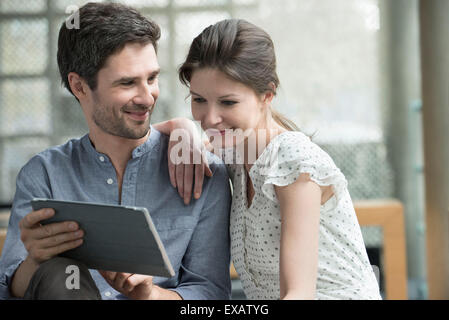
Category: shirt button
[101,159]
[107,294]
[110,181]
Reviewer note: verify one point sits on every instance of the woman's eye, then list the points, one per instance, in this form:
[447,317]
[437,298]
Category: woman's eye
[228,102]
[198,100]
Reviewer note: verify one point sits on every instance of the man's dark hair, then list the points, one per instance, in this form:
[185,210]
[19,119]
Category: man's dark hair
[104,29]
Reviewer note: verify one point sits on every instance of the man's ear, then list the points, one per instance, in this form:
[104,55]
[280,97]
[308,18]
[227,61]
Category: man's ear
[78,85]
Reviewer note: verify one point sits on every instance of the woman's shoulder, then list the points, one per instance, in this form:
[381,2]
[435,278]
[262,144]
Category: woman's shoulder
[292,153]
[290,138]
[293,146]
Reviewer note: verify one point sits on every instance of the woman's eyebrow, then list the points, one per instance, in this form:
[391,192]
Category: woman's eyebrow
[227,96]
[155,73]
[194,93]
[222,97]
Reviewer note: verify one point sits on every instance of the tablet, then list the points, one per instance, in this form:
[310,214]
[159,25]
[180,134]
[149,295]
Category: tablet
[116,238]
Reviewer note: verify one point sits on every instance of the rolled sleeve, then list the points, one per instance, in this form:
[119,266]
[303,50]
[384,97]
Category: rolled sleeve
[204,273]
[198,287]
[6,277]
[14,252]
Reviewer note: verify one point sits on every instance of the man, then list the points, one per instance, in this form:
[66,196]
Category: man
[110,65]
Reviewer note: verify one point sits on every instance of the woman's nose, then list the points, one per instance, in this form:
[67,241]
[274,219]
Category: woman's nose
[212,117]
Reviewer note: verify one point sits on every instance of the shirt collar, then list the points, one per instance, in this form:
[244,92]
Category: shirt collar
[151,144]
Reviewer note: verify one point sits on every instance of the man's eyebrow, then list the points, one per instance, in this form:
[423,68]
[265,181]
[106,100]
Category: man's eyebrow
[130,79]
[123,80]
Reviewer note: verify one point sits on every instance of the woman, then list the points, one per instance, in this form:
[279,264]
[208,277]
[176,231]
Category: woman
[294,232]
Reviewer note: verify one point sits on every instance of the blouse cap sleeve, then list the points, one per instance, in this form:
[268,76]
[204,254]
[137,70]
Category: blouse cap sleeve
[291,154]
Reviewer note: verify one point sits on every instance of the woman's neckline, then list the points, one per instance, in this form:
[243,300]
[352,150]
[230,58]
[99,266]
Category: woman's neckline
[267,147]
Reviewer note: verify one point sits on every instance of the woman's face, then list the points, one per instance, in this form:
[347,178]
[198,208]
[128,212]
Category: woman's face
[229,111]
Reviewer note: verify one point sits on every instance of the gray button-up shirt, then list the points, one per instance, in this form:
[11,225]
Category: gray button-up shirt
[196,236]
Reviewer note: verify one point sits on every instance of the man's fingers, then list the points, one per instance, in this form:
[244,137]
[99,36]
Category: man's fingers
[205,163]
[124,282]
[120,279]
[109,276]
[199,178]
[44,254]
[53,229]
[58,239]
[189,177]
[171,165]
[104,274]
[65,247]
[180,179]
[172,174]
[188,182]
[208,145]
[201,170]
[34,217]
[208,171]
[134,280]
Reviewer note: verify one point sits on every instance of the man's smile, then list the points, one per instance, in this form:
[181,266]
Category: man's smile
[138,115]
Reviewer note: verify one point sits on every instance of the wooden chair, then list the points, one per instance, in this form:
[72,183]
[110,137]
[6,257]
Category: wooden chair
[389,215]
[2,239]
[234,274]
[4,217]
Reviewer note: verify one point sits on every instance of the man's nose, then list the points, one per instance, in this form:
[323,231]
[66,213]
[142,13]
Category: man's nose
[147,94]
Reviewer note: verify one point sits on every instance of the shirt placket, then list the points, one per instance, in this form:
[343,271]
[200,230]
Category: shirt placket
[129,183]
[109,177]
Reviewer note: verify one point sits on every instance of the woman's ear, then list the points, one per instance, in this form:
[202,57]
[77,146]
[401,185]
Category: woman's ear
[269,95]
[78,85]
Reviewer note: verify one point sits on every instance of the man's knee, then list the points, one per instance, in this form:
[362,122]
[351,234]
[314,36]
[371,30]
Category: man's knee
[56,269]
[62,278]
[57,264]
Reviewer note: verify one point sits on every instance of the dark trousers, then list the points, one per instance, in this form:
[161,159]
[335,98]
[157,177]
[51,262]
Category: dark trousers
[51,281]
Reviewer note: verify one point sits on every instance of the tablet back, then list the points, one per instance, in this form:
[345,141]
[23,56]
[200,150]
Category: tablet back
[116,238]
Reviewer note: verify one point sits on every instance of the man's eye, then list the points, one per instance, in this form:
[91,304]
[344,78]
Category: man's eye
[228,102]
[127,84]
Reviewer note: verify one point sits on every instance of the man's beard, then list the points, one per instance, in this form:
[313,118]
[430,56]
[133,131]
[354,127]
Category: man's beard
[106,120]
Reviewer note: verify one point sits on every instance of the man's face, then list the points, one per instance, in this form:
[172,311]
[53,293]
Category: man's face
[127,91]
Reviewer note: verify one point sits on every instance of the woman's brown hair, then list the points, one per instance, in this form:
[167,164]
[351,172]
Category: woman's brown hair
[242,51]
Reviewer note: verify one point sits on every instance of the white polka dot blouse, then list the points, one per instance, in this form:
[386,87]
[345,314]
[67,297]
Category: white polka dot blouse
[344,271]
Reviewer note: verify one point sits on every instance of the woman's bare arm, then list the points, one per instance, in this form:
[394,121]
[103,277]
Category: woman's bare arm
[300,214]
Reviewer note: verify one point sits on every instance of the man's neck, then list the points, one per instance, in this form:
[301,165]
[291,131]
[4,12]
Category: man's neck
[118,149]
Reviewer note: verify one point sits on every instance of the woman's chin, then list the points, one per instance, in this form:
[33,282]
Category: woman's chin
[232,142]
